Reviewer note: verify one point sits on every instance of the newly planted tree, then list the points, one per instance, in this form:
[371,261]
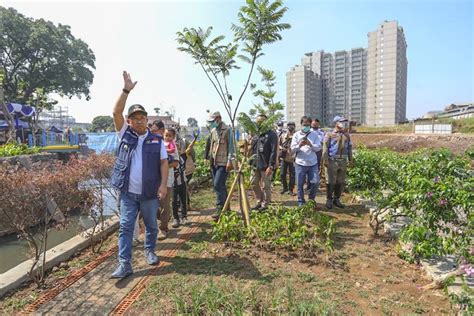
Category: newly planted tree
[259,25]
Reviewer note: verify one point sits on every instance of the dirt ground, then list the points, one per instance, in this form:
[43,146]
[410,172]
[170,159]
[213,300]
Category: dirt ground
[458,143]
[363,275]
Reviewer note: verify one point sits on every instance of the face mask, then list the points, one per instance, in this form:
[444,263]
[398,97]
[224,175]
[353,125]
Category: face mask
[314,128]
[291,128]
[306,129]
[212,124]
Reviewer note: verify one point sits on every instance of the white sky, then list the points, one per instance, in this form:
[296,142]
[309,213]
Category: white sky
[139,38]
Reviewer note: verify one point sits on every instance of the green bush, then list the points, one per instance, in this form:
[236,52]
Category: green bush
[202,172]
[290,228]
[15,150]
[434,188]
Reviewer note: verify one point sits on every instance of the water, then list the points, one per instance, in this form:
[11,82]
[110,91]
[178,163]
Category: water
[14,251]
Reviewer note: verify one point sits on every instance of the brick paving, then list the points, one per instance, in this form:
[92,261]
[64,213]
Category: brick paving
[97,294]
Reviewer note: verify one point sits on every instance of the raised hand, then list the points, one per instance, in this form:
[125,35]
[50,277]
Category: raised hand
[128,84]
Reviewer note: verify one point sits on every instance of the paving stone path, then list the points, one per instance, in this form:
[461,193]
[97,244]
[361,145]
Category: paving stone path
[96,293]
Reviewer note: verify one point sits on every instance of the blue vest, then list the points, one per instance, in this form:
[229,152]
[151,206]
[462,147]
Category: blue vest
[151,159]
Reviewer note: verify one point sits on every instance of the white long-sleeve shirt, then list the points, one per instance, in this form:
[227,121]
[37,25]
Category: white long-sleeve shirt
[306,155]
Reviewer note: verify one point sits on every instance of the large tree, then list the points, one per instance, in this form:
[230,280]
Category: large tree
[39,58]
[102,123]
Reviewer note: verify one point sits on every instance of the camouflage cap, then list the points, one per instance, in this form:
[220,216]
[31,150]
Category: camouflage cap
[213,116]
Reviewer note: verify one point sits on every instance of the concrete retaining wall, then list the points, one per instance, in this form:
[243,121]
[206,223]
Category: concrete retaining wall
[16,276]
[27,160]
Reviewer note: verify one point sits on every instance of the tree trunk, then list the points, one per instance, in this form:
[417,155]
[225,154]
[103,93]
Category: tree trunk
[8,118]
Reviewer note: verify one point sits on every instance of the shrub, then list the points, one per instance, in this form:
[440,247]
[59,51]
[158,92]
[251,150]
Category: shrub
[15,150]
[433,188]
[35,200]
[280,227]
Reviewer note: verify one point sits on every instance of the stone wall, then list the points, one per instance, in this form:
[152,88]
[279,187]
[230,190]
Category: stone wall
[28,160]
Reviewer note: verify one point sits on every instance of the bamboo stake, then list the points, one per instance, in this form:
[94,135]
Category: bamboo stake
[232,187]
[245,206]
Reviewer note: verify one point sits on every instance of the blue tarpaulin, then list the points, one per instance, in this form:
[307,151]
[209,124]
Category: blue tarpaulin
[102,142]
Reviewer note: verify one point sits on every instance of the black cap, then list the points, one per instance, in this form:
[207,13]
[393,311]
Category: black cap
[135,109]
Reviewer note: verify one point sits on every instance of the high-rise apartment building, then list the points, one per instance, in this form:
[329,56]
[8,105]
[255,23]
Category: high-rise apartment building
[303,93]
[343,79]
[386,75]
[344,83]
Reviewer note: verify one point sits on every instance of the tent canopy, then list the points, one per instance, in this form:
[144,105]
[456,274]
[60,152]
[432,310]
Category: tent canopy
[20,109]
[54,129]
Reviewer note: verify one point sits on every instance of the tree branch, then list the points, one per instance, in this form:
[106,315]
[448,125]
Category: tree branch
[215,87]
[254,58]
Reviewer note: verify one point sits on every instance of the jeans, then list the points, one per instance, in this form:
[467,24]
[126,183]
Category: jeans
[313,175]
[129,205]
[287,167]
[220,177]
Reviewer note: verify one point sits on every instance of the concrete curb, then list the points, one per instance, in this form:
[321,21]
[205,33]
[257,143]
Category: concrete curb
[436,268]
[16,276]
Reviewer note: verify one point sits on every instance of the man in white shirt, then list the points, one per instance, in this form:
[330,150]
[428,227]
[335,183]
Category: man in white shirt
[305,144]
[140,174]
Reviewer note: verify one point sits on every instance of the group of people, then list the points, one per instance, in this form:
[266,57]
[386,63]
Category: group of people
[310,152]
[301,155]
[153,165]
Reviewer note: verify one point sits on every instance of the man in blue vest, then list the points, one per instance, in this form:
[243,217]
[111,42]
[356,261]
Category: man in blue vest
[140,174]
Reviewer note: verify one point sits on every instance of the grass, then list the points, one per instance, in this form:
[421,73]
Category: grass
[222,296]
[12,304]
[397,129]
[464,126]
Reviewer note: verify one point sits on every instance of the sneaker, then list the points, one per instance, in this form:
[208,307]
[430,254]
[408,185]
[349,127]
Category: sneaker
[257,207]
[151,258]
[175,223]
[185,221]
[283,191]
[162,235]
[123,270]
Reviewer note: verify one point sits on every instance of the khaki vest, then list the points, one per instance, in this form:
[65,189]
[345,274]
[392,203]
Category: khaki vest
[219,145]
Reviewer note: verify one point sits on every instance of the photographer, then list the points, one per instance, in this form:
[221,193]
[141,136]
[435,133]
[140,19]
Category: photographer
[305,144]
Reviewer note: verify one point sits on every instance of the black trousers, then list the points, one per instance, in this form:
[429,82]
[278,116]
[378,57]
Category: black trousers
[287,167]
[179,193]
